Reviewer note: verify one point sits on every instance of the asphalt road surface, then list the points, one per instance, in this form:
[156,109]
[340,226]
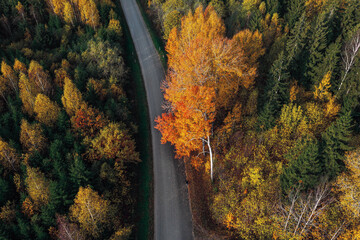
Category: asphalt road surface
[172,217]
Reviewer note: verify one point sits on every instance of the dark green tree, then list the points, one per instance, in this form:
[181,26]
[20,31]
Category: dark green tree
[304,170]
[317,44]
[335,142]
[295,9]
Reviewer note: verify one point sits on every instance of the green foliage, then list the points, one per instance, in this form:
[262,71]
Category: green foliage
[335,141]
[305,170]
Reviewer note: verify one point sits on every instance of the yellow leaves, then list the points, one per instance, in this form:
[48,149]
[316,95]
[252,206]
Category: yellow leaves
[322,91]
[19,66]
[114,143]
[313,7]
[249,5]
[46,111]
[31,136]
[323,94]
[294,90]
[114,25]
[69,15]
[90,210]
[72,98]
[9,75]
[229,219]
[332,108]
[28,91]
[37,187]
[89,13]
[255,177]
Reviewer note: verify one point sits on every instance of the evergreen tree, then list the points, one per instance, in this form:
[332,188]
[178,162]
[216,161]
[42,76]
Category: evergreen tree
[335,142]
[328,63]
[317,45]
[295,8]
[304,170]
[79,175]
[295,45]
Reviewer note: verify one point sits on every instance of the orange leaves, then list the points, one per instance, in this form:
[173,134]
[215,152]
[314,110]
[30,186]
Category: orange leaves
[39,77]
[191,119]
[200,54]
[88,121]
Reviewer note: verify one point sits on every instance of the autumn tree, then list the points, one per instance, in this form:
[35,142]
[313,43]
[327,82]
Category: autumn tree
[114,143]
[189,124]
[37,187]
[89,13]
[9,74]
[72,98]
[31,136]
[68,231]
[69,14]
[46,111]
[90,210]
[19,66]
[20,8]
[88,121]
[28,92]
[39,77]
[8,156]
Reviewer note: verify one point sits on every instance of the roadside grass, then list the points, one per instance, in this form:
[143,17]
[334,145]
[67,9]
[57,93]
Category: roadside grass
[158,42]
[144,209]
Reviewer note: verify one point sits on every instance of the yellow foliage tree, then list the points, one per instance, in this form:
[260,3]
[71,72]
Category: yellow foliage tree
[37,187]
[322,91]
[114,143]
[69,15]
[20,8]
[46,111]
[89,13]
[28,91]
[114,25]
[19,66]
[8,156]
[9,74]
[72,98]
[31,136]
[38,76]
[90,210]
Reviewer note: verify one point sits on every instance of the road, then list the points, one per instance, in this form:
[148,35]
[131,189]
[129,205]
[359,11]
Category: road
[172,217]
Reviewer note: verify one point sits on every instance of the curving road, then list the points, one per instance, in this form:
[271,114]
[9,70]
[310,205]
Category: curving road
[172,217]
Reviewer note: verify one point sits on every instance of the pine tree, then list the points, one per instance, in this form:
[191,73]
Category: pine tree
[304,170]
[335,142]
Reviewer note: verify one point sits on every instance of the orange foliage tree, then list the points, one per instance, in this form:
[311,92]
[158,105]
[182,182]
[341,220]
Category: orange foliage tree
[88,121]
[206,70]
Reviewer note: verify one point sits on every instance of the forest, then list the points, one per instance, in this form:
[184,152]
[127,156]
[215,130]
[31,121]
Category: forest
[67,147]
[262,100]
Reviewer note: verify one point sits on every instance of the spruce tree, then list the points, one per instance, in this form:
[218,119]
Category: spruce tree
[317,45]
[335,142]
[295,8]
[328,63]
[304,170]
